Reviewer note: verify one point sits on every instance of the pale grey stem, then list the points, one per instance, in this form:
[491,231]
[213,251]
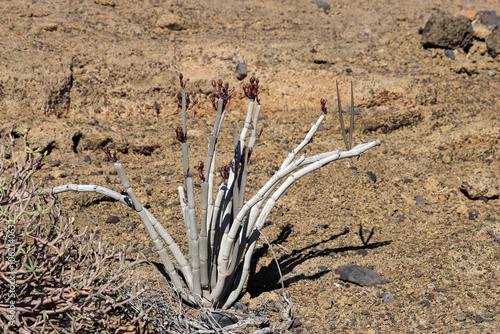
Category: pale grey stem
[187,219]
[204,248]
[149,226]
[304,142]
[341,117]
[213,226]
[185,213]
[248,120]
[211,180]
[253,137]
[193,231]
[174,248]
[184,107]
[213,137]
[228,241]
[272,201]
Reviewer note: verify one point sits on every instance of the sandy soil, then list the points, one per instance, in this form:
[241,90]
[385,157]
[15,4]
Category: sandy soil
[86,74]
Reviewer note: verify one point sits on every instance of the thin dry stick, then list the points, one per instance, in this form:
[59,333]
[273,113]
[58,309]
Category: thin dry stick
[341,117]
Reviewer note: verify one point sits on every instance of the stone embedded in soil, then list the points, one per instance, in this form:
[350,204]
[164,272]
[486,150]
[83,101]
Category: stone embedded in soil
[241,71]
[359,275]
[147,251]
[444,31]
[224,319]
[425,303]
[87,159]
[450,54]
[484,24]
[387,298]
[420,200]
[171,21]
[493,42]
[323,5]
[53,163]
[476,188]
[112,220]
[372,176]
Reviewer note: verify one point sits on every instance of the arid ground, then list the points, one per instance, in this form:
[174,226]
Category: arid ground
[88,74]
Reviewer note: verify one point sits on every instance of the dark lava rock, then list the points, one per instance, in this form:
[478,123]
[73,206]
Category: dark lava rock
[323,5]
[112,220]
[372,176]
[493,42]
[296,323]
[87,159]
[362,252]
[323,268]
[360,275]
[447,32]
[130,226]
[478,319]
[223,319]
[241,71]
[53,163]
[425,302]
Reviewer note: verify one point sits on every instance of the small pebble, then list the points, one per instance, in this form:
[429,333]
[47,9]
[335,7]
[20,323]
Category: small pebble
[323,268]
[296,323]
[450,54]
[97,110]
[425,303]
[362,252]
[53,163]
[372,176]
[147,251]
[241,71]
[177,203]
[420,200]
[130,226]
[112,220]
[323,5]
[387,298]
[87,159]
[478,319]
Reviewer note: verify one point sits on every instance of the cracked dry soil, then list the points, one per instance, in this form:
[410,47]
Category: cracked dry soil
[86,74]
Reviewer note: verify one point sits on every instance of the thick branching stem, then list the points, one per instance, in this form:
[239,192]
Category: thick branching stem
[222,245]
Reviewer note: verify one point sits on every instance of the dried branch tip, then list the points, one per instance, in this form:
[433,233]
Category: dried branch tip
[224,171]
[181,136]
[221,91]
[323,106]
[200,167]
[183,83]
[111,156]
[252,89]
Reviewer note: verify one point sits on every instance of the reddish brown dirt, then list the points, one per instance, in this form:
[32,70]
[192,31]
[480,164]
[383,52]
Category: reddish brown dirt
[85,75]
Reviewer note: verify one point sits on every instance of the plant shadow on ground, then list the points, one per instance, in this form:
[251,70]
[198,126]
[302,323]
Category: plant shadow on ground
[268,278]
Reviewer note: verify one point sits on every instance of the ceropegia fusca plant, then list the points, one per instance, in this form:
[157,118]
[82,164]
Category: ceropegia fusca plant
[222,234]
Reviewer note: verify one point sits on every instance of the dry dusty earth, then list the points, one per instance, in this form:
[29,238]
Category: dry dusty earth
[85,74]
